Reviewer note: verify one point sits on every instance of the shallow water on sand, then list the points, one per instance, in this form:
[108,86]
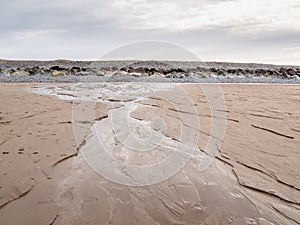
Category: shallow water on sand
[143,166]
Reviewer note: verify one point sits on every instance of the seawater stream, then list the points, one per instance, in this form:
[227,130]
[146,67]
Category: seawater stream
[131,171]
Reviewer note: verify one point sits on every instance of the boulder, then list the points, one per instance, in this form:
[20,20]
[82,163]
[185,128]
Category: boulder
[35,71]
[152,71]
[141,70]
[291,72]
[179,70]
[269,72]
[179,75]
[75,69]
[231,71]
[70,72]
[130,70]
[157,74]
[165,72]
[135,74]
[11,71]
[259,72]
[57,68]
[292,77]
[107,73]
[56,73]
[20,73]
[121,72]
[221,72]
[240,71]
[82,73]
[214,70]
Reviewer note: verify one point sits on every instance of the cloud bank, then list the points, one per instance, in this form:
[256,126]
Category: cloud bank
[216,30]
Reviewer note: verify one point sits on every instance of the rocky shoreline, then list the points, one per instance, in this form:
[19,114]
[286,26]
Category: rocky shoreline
[161,71]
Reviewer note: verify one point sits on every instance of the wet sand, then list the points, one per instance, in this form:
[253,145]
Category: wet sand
[149,154]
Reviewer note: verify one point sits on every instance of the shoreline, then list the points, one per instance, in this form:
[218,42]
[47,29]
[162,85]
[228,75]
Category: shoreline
[131,79]
[146,71]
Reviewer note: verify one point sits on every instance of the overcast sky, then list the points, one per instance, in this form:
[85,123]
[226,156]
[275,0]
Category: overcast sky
[265,31]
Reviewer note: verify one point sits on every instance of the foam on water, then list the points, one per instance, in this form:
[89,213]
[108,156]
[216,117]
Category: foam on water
[95,91]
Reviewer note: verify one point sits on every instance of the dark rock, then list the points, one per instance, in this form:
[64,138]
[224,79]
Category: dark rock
[146,70]
[12,71]
[235,71]
[240,71]
[166,72]
[75,69]
[57,68]
[251,71]
[259,72]
[214,70]
[230,71]
[140,70]
[291,72]
[269,72]
[152,71]
[179,70]
[35,71]
[130,70]
[221,72]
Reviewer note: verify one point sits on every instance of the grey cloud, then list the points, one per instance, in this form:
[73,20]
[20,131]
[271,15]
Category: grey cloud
[89,29]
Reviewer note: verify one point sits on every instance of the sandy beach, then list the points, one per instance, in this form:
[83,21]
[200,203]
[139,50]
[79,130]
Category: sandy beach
[244,167]
[139,112]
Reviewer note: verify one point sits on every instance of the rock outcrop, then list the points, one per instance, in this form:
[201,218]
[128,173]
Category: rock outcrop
[177,70]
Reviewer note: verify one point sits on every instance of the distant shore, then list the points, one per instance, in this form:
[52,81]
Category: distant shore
[145,71]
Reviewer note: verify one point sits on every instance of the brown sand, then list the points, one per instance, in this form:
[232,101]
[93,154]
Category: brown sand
[254,179]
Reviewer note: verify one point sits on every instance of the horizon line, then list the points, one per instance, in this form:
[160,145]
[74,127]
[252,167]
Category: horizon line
[148,60]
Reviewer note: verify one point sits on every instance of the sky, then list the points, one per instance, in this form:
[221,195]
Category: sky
[262,31]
